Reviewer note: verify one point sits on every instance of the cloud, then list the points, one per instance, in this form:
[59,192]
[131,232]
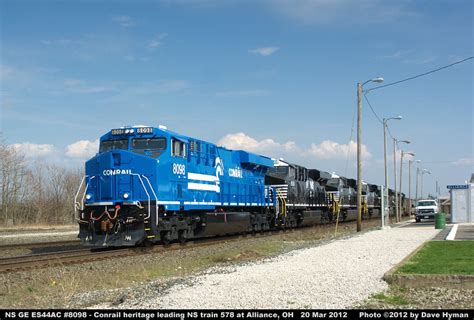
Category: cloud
[157,41]
[124,21]
[241,141]
[265,51]
[244,93]
[74,153]
[130,58]
[420,60]
[329,149]
[326,150]
[340,11]
[80,86]
[397,54]
[164,86]
[83,149]
[62,42]
[33,150]
[464,162]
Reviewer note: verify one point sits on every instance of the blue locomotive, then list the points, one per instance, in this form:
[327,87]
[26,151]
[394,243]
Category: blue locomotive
[150,185]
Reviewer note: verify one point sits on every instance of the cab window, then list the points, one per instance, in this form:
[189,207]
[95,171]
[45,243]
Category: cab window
[108,145]
[152,147]
[178,148]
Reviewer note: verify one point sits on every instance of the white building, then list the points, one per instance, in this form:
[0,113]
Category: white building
[462,202]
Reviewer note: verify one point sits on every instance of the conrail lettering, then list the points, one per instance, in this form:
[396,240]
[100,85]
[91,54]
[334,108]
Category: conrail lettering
[112,172]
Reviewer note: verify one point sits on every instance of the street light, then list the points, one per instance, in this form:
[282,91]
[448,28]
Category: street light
[385,160]
[359,141]
[422,173]
[409,182]
[395,145]
[401,176]
[385,145]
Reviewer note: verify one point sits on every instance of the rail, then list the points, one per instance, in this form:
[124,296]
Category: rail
[148,195]
[76,204]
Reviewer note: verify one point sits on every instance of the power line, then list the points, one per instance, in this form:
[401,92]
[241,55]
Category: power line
[371,108]
[419,75]
[441,161]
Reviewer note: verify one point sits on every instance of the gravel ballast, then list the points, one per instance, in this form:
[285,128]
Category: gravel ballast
[339,274]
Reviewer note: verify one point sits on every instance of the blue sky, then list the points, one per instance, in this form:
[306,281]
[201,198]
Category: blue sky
[275,77]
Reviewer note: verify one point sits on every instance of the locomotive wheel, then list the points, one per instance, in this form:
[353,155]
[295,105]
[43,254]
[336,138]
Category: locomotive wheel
[182,236]
[165,237]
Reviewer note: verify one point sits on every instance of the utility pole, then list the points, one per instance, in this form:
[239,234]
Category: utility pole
[395,177]
[409,187]
[359,157]
[401,200]
[385,150]
[401,176]
[416,192]
[421,184]
[359,160]
[385,161]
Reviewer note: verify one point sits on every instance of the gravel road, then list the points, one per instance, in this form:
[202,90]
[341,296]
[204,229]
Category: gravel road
[335,275]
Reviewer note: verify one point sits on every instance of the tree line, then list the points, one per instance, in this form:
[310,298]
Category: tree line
[35,192]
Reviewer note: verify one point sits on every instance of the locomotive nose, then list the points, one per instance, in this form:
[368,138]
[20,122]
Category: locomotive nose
[120,176]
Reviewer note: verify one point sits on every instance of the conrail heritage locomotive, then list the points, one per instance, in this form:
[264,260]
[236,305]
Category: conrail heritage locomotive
[148,185]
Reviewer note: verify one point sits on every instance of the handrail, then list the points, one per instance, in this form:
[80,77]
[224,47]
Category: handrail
[283,201]
[83,196]
[156,199]
[147,194]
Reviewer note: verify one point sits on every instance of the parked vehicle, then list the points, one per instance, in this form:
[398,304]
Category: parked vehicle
[426,209]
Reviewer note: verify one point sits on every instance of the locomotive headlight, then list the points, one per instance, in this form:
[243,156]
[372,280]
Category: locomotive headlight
[127,131]
[126,195]
[88,196]
[132,131]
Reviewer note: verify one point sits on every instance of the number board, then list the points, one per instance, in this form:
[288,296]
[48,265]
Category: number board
[118,131]
[145,130]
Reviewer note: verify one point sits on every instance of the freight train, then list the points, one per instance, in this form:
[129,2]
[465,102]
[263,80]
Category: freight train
[149,184]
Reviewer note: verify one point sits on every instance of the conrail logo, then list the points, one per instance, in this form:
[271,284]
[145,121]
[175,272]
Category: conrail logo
[111,172]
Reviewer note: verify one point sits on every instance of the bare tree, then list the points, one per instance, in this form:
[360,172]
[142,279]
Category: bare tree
[12,175]
[35,192]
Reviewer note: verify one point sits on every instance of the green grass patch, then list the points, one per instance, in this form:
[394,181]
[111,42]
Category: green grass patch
[442,257]
[393,299]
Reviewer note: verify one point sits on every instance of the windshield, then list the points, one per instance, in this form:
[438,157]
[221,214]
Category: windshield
[426,203]
[151,147]
[333,182]
[279,171]
[113,145]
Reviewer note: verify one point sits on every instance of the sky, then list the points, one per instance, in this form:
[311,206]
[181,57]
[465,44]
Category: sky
[273,77]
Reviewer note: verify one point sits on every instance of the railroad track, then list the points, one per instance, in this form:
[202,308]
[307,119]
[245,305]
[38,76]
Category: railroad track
[50,259]
[33,245]
[84,255]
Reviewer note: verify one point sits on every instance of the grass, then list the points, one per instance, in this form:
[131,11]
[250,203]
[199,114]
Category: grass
[392,298]
[442,257]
